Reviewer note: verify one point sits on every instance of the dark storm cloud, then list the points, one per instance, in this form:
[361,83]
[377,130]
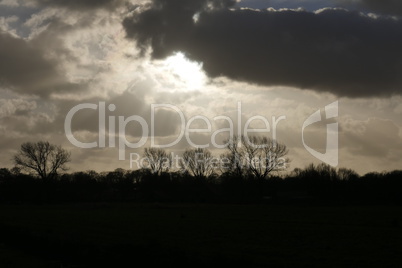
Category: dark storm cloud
[24,68]
[346,53]
[387,7]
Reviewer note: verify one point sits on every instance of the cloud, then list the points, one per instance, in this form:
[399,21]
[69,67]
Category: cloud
[386,7]
[10,3]
[42,63]
[64,54]
[5,24]
[25,69]
[15,106]
[375,137]
[82,5]
[334,50]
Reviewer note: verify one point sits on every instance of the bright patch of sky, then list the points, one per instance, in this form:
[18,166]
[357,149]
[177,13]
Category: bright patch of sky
[309,5]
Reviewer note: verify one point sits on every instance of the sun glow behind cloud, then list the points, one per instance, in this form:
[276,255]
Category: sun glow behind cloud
[188,72]
[83,59]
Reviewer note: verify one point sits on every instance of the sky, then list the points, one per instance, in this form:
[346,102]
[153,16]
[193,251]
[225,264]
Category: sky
[118,76]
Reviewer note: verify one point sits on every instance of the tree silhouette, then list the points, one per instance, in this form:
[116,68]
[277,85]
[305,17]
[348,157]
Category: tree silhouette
[347,174]
[257,156]
[233,164]
[42,158]
[198,162]
[157,160]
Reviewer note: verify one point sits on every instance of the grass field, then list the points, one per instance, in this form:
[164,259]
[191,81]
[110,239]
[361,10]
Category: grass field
[190,235]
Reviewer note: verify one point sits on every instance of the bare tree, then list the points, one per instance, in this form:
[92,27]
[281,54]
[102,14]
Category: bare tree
[198,162]
[157,160]
[43,158]
[257,156]
[232,160]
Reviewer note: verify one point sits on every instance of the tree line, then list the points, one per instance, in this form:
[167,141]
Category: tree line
[246,156]
[250,172]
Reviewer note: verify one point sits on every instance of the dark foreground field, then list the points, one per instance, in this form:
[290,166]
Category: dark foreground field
[179,235]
